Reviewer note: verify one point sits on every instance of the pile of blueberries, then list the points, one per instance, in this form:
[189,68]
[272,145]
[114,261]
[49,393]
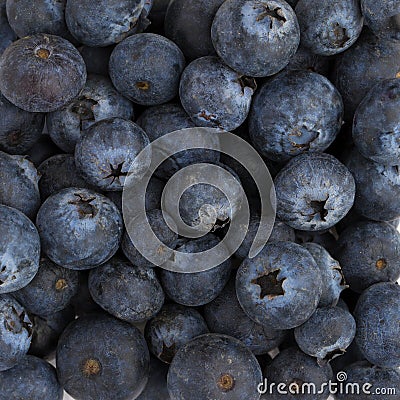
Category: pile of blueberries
[85,86]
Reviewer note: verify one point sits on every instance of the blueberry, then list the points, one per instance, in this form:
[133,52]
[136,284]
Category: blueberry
[41,73]
[171,328]
[214,95]
[157,15]
[378,328]
[155,66]
[83,302]
[129,292]
[19,250]
[314,191]
[225,315]
[43,149]
[377,138]
[331,27]
[156,388]
[33,379]
[280,287]
[98,100]
[7,35]
[98,355]
[79,228]
[326,238]
[295,112]
[107,152]
[96,59]
[220,366]
[255,38]
[15,332]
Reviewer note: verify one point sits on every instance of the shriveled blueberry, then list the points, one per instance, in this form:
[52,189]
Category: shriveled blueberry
[98,355]
[129,292]
[41,73]
[7,35]
[220,366]
[155,66]
[156,388]
[79,228]
[106,154]
[15,332]
[96,59]
[19,250]
[255,38]
[295,112]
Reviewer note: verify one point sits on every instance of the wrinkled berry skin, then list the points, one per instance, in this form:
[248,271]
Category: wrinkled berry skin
[7,35]
[225,315]
[156,388]
[295,112]
[281,287]
[378,138]
[255,38]
[155,66]
[171,328]
[98,100]
[98,355]
[15,332]
[41,73]
[32,378]
[214,95]
[129,292]
[19,250]
[220,366]
[79,228]
[107,152]
[329,28]
[314,191]
[378,329]
[369,252]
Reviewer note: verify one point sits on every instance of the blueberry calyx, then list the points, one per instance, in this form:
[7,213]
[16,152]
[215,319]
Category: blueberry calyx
[85,209]
[91,367]
[270,285]
[226,382]
[273,14]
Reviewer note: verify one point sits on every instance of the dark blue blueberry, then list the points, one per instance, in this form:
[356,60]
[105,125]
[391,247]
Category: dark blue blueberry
[295,112]
[107,152]
[255,38]
[96,59]
[79,228]
[99,356]
[215,95]
[314,191]
[19,250]
[7,35]
[281,287]
[376,124]
[129,292]
[43,149]
[41,73]
[378,330]
[155,66]
[32,379]
[214,367]
[171,328]
[156,388]
[157,16]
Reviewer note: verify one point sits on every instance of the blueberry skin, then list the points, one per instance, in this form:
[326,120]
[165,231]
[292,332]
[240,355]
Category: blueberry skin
[314,191]
[281,287]
[32,379]
[129,292]
[333,281]
[369,252]
[171,328]
[98,100]
[215,95]
[378,329]
[103,23]
[98,355]
[19,250]
[329,28]
[19,184]
[107,153]
[295,112]
[96,59]
[7,35]
[15,332]
[378,188]
[377,138]
[326,238]
[224,315]
[50,291]
[41,73]
[155,64]
[79,228]
[220,366]
[255,38]
[156,388]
